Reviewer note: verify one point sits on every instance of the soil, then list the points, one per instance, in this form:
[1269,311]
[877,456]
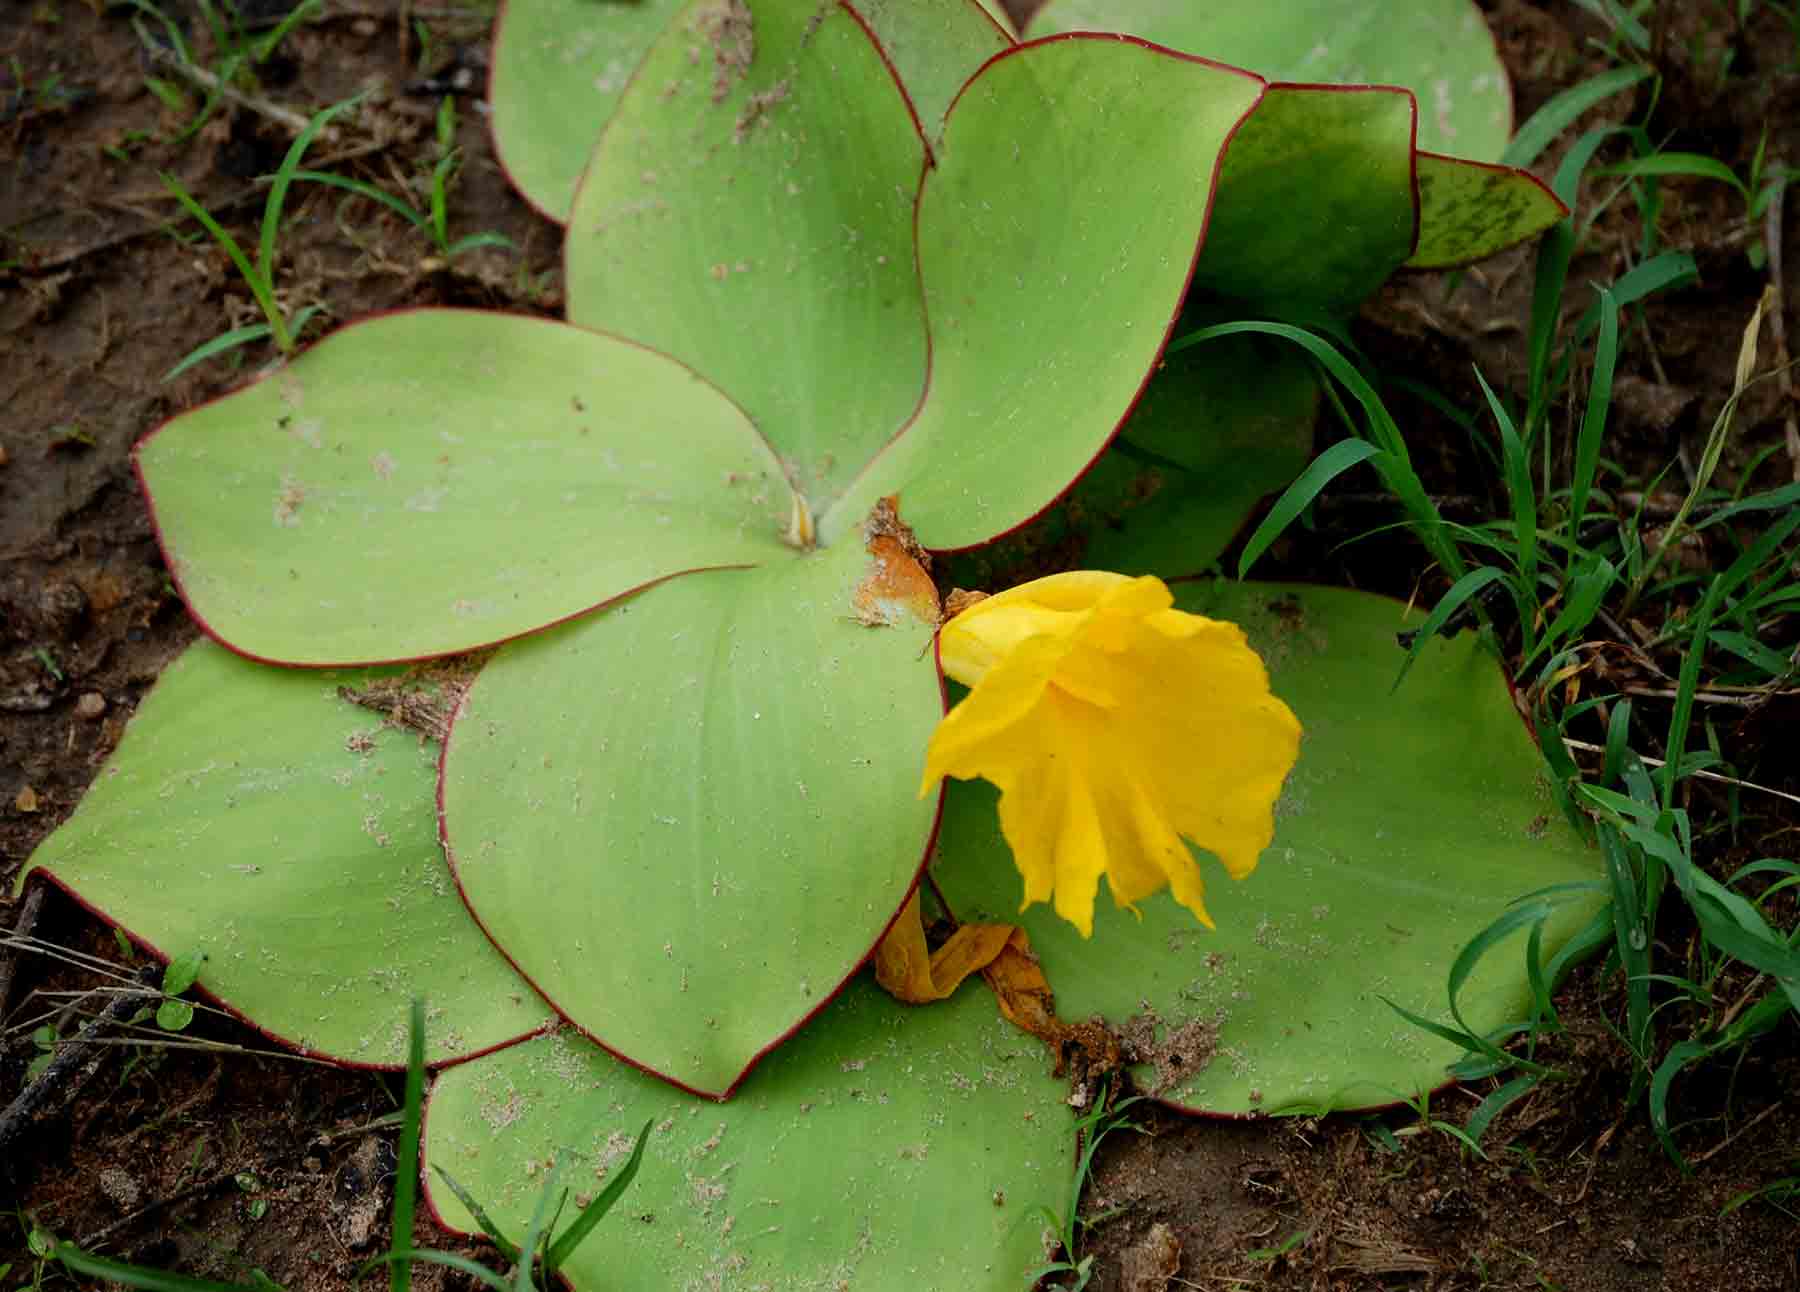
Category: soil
[220,1158]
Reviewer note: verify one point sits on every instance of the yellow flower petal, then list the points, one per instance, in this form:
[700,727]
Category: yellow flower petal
[1057,606]
[1115,727]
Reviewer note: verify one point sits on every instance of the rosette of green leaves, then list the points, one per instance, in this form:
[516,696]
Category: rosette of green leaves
[675,807]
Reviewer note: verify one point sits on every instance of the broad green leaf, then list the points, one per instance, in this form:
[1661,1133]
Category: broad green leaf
[885,1148]
[173,1015]
[936,46]
[1411,821]
[1315,206]
[561,65]
[559,68]
[1202,447]
[688,819]
[1468,211]
[252,814]
[182,971]
[750,211]
[432,481]
[1054,261]
[1441,50]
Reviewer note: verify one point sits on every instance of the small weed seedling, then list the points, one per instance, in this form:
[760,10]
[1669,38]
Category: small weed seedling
[435,221]
[259,274]
[1571,559]
[535,1261]
[237,55]
[1069,1224]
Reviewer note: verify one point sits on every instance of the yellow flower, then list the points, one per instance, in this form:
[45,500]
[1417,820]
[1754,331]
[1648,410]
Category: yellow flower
[1114,725]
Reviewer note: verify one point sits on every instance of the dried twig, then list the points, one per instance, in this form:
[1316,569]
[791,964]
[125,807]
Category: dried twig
[22,929]
[286,118]
[71,1069]
[1587,748]
[92,1242]
[1735,1135]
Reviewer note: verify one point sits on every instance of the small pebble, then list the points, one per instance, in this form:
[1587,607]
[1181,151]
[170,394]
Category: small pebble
[90,706]
[117,1185]
[61,607]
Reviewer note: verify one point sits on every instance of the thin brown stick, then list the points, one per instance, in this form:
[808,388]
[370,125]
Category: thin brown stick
[22,929]
[71,1069]
[286,118]
[1736,1134]
[1700,697]
[1588,748]
[91,1242]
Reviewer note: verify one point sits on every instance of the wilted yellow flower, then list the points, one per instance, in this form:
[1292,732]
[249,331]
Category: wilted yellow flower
[1114,725]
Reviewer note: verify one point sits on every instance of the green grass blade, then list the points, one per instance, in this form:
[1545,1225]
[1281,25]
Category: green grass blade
[1695,165]
[1518,488]
[259,282]
[1563,110]
[1752,652]
[1587,589]
[592,1214]
[406,1167]
[1679,1057]
[1596,933]
[177,42]
[1774,500]
[474,1269]
[1620,21]
[1452,601]
[305,316]
[1752,559]
[215,25]
[362,188]
[1526,914]
[1543,1008]
[1396,466]
[1551,276]
[495,1235]
[1631,942]
[470,241]
[440,213]
[1618,738]
[300,13]
[1763,951]
[536,1230]
[1593,420]
[1321,471]
[1715,443]
[218,345]
[1669,269]
[167,93]
[138,1276]
[1767,866]
[1554,254]
[1468,1040]
[284,176]
[1497,1103]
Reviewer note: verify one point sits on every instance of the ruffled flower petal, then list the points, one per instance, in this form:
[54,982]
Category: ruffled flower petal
[1115,727]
